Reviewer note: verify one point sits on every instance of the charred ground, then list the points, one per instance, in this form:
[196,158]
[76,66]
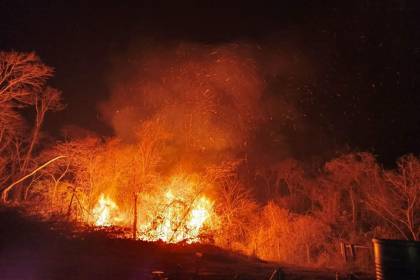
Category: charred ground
[36,249]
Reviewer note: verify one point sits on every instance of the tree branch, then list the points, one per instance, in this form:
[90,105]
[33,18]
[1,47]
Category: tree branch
[5,192]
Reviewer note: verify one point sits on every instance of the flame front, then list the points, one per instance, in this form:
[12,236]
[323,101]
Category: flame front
[178,220]
[199,215]
[105,212]
[181,213]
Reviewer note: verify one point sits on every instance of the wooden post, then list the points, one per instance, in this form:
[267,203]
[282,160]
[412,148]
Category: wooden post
[135,217]
[308,254]
[343,251]
[352,252]
[71,202]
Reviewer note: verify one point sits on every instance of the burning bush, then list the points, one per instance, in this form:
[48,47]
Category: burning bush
[177,211]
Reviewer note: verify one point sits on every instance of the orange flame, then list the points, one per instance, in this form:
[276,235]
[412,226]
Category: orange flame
[178,220]
[106,213]
[181,213]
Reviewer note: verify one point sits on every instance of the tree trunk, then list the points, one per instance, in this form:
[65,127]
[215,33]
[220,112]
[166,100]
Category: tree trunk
[28,155]
[71,202]
[5,192]
[19,191]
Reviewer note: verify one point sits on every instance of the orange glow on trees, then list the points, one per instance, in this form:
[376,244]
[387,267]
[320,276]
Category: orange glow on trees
[178,168]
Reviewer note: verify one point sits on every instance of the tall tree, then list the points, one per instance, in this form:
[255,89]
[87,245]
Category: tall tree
[397,201]
[48,100]
[21,75]
[23,78]
[354,175]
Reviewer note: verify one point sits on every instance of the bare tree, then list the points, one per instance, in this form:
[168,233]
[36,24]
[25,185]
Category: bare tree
[151,136]
[48,100]
[21,74]
[398,200]
[22,84]
[5,192]
[11,126]
[11,134]
[235,207]
[71,180]
[353,176]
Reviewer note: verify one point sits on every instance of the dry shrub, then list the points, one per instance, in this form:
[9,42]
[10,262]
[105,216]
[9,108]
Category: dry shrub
[236,211]
[397,200]
[290,238]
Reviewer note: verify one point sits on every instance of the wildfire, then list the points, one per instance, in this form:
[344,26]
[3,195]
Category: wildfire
[181,213]
[106,213]
[178,220]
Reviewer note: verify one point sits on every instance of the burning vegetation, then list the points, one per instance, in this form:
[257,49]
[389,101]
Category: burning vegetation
[176,213]
[180,167]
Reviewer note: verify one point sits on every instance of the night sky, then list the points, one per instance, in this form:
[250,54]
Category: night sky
[365,95]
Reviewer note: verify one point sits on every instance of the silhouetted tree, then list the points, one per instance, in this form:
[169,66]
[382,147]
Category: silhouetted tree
[354,176]
[398,200]
[47,100]
[23,79]
[21,75]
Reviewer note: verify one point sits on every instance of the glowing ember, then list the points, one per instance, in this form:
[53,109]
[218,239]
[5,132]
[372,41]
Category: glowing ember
[105,212]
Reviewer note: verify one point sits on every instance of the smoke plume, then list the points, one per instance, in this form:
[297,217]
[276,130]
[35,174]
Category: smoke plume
[208,97]
[212,99]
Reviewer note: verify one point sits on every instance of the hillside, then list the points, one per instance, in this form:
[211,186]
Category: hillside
[34,249]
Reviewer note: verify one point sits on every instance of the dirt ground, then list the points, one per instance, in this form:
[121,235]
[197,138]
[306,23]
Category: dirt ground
[33,249]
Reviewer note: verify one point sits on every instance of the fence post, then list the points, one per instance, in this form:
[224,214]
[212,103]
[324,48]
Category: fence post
[352,252]
[343,251]
[135,217]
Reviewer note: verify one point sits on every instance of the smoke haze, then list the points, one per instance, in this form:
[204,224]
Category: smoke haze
[210,98]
